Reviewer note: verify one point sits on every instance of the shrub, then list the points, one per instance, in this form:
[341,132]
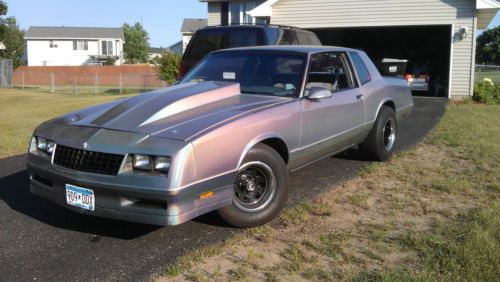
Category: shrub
[486,92]
[168,66]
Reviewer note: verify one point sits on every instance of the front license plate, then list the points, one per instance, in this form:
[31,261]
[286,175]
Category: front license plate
[80,197]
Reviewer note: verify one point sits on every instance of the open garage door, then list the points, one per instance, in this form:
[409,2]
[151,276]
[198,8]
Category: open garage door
[427,49]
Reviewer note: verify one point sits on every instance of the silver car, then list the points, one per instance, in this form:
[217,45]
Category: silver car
[225,138]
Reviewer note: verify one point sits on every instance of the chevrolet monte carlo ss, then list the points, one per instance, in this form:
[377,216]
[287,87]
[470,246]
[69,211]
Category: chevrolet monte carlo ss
[224,138]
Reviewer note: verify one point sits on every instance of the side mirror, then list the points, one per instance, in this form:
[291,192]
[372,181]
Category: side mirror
[317,93]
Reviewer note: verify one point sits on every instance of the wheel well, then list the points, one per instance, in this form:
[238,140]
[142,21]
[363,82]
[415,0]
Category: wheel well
[390,104]
[279,146]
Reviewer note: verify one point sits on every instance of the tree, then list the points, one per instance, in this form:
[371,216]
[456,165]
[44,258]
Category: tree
[3,8]
[136,46]
[12,37]
[168,66]
[488,47]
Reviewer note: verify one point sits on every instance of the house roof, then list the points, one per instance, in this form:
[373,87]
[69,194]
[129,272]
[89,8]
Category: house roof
[192,25]
[60,32]
[156,50]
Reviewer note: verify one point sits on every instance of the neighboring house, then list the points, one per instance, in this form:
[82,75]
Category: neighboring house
[155,52]
[176,48]
[436,33]
[189,26]
[73,46]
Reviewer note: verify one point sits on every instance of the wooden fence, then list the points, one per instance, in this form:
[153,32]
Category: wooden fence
[127,75]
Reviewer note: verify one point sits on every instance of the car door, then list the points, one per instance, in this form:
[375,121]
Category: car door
[330,124]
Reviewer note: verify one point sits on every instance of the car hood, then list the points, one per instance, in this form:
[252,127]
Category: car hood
[179,112]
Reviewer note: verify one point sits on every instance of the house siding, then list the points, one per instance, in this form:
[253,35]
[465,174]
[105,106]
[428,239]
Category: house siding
[359,13]
[214,11]
[39,52]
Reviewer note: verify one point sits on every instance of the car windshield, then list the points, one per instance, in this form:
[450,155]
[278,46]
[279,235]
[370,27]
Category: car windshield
[257,72]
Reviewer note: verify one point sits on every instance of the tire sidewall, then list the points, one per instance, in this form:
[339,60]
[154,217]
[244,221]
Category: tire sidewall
[270,157]
[385,114]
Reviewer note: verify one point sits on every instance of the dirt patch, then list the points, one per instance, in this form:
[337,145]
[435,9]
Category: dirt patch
[358,227]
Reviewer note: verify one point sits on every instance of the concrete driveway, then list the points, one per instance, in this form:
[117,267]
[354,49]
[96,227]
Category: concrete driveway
[41,241]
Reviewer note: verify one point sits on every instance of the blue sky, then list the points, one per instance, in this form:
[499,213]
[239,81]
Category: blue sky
[161,18]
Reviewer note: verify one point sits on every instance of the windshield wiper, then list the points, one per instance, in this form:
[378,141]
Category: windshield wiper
[257,92]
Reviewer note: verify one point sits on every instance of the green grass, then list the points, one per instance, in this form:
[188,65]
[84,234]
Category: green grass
[467,250]
[468,247]
[21,111]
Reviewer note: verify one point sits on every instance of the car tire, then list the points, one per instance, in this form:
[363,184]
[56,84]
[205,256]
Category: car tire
[380,143]
[260,189]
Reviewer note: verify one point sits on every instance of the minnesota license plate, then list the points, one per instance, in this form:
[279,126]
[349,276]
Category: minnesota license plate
[80,197]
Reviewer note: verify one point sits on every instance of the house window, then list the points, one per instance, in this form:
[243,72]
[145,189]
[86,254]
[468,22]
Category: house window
[239,12]
[52,44]
[80,45]
[107,47]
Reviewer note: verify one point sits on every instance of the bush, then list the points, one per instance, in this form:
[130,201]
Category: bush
[168,66]
[486,92]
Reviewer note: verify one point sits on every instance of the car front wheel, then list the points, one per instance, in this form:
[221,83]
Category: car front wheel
[380,143]
[260,189]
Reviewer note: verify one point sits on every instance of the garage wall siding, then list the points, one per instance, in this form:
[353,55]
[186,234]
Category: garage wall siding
[214,10]
[359,13]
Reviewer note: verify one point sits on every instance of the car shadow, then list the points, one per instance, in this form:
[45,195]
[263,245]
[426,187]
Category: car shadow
[14,191]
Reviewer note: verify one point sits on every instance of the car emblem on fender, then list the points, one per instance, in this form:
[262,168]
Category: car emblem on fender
[85,145]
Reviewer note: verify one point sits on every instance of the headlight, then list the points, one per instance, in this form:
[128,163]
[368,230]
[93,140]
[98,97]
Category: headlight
[162,164]
[159,164]
[43,145]
[142,162]
[50,147]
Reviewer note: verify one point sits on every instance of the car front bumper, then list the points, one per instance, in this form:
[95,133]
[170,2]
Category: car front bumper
[136,198]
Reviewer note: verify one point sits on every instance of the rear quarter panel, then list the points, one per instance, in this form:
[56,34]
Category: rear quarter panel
[384,89]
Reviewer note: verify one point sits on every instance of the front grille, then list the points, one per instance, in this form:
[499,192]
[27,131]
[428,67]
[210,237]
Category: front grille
[88,161]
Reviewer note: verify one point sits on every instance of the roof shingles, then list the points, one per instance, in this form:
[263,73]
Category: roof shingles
[61,32]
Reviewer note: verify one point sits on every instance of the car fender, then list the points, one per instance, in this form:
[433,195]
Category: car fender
[382,102]
[256,141]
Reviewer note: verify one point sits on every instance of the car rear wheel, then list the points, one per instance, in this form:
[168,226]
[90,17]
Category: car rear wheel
[380,143]
[260,189]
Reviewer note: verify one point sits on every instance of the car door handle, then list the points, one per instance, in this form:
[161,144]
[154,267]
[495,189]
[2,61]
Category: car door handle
[359,96]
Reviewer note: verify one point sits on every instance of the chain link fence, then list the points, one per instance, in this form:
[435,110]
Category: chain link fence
[5,73]
[86,83]
[488,71]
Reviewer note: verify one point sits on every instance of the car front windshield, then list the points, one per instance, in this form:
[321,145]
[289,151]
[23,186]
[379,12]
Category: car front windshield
[257,72]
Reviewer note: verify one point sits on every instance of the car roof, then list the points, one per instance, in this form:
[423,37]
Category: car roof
[260,26]
[306,49]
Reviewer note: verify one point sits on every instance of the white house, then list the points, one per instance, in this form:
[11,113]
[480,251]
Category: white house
[189,27]
[73,46]
[439,33]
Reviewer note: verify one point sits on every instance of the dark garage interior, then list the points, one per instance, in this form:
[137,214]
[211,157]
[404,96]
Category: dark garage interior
[427,49]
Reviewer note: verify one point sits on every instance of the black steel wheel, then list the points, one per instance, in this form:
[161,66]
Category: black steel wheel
[260,189]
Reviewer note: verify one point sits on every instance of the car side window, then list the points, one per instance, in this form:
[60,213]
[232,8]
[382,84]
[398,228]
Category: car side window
[242,37]
[303,38]
[329,71]
[289,38]
[206,42]
[363,73]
